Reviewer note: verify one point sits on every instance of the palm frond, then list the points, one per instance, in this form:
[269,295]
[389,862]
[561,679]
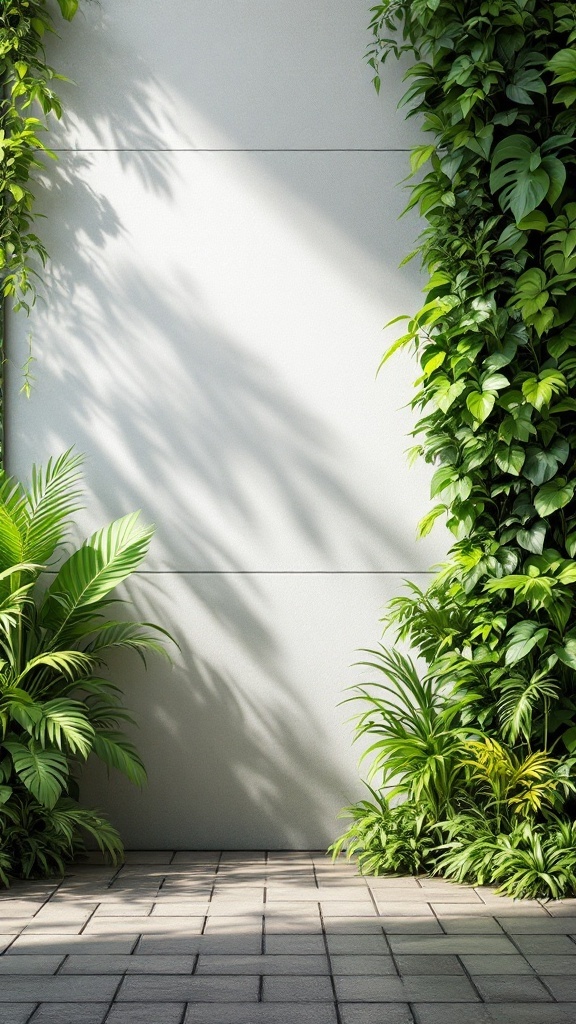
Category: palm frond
[13,520]
[67,818]
[64,724]
[52,500]
[130,636]
[70,664]
[101,564]
[117,752]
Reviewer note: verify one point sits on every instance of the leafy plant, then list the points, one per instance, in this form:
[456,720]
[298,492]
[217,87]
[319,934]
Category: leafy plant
[493,83]
[387,839]
[27,80]
[55,707]
[422,741]
[529,862]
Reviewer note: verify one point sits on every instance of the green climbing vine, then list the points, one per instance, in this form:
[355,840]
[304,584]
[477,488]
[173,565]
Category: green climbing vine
[28,84]
[28,98]
[480,746]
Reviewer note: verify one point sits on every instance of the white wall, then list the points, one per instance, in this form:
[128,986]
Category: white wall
[224,238]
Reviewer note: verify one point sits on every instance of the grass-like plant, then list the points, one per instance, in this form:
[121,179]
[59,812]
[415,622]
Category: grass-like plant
[56,629]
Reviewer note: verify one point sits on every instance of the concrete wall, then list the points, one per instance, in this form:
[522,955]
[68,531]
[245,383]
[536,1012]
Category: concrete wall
[224,238]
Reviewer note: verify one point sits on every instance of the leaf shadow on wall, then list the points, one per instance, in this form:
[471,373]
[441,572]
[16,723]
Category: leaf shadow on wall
[244,754]
[241,743]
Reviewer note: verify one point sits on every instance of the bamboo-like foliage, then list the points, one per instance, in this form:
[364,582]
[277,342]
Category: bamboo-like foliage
[55,706]
[493,84]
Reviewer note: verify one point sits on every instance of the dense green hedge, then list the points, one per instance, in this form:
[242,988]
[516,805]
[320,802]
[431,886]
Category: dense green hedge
[494,85]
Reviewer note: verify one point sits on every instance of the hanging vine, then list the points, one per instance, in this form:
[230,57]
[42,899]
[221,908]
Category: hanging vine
[28,98]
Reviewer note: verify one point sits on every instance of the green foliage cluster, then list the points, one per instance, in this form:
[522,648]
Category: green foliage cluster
[55,706]
[456,799]
[27,82]
[494,84]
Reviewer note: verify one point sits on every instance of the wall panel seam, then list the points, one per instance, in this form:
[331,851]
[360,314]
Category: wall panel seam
[283,572]
[196,149]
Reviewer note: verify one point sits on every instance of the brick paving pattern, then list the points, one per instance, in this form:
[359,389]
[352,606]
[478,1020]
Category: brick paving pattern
[277,938]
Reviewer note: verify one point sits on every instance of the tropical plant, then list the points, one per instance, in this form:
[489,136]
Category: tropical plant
[423,738]
[55,706]
[470,807]
[387,839]
[493,83]
[534,861]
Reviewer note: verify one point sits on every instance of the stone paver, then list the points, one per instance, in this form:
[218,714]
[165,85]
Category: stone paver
[124,964]
[434,964]
[510,988]
[357,944]
[70,1013]
[57,989]
[169,988]
[483,963]
[12,1013]
[494,1013]
[187,945]
[562,987]
[277,938]
[545,965]
[447,988]
[375,1013]
[297,990]
[257,1013]
[30,964]
[378,965]
[146,1013]
[289,964]
[299,944]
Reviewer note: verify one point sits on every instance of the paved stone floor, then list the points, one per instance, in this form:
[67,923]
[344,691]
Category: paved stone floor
[277,938]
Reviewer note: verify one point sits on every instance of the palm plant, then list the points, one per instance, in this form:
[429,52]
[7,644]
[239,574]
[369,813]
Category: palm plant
[55,706]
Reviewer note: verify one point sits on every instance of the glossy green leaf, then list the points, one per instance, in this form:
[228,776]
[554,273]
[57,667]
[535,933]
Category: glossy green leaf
[554,495]
[522,639]
[68,8]
[563,64]
[542,464]
[426,524]
[567,654]
[510,458]
[539,390]
[481,404]
[533,539]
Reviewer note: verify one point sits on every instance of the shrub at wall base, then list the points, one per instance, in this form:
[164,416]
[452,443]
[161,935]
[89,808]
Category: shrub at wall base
[55,706]
[481,749]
